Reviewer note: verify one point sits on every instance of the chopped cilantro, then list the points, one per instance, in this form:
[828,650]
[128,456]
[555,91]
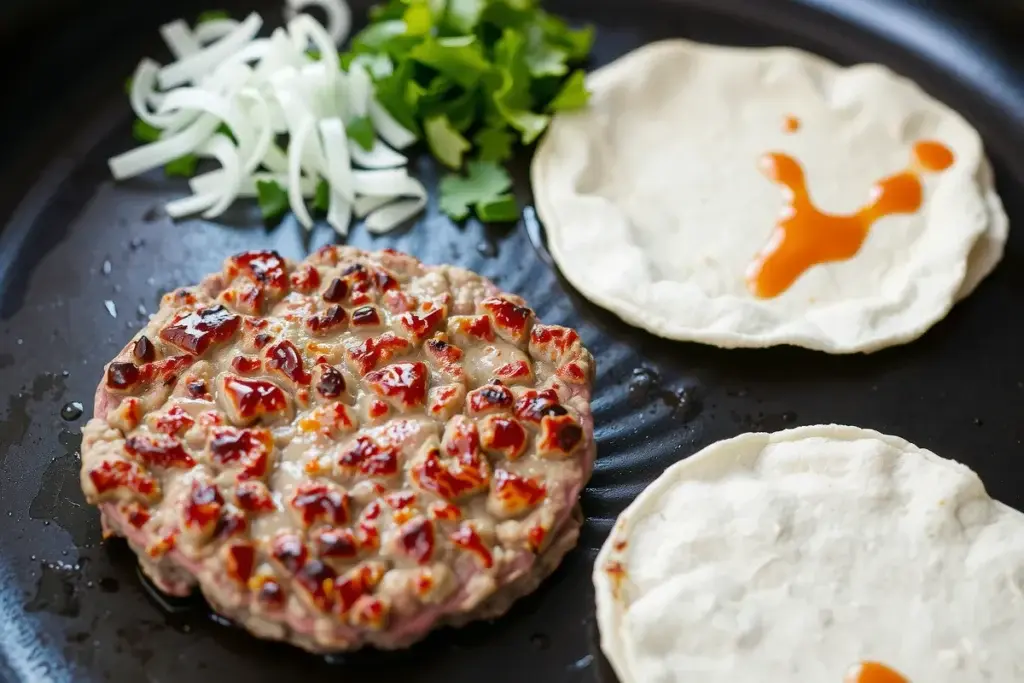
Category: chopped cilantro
[485,184]
[322,198]
[360,129]
[495,144]
[143,132]
[445,142]
[185,167]
[573,95]
[501,209]
[212,15]
[272,199]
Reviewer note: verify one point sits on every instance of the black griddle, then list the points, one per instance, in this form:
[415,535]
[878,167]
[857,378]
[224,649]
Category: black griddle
[74,244]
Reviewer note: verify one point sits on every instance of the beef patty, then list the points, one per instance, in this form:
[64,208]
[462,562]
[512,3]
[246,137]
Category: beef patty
[346,451]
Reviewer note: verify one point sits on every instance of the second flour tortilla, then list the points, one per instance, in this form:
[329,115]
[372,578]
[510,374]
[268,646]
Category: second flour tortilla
[654,205]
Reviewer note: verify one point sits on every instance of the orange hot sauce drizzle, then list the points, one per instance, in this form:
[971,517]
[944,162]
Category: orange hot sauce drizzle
[806,236]
[873,672]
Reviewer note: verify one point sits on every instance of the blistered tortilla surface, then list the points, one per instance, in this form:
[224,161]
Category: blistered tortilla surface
[790,557]
[655,206]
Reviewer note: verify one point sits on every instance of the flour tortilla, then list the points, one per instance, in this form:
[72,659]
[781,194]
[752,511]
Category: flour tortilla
[790,557]
[654,205]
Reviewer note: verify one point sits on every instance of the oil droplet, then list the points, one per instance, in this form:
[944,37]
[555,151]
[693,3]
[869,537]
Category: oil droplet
[106,268]
[72,411]
[111,308]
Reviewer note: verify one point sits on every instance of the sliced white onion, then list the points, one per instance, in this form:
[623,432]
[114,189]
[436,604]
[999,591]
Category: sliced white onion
[142,93]
[163,151]
[300,138]
[223,150]
[179,39]
[339,166]
[261,88]
[210,31]
[394,133]
[339,16]
[193,66]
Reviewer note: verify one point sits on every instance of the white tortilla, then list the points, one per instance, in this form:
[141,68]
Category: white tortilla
[791,557]
[654,205]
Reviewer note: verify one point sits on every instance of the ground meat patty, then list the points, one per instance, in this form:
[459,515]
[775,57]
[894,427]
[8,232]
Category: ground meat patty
[346,451]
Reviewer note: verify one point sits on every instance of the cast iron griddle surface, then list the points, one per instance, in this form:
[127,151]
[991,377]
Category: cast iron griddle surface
[73,608]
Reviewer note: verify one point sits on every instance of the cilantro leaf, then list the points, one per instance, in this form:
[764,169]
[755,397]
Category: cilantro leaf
[542,57]
[577,42]
[185,167]
[495,143]
[212,15]
[485,181]
[143,132]
[460,59]
[573,95]
[445,142]
[271,198]
[501,209]
[360,130]
[417,19]
[391,94]
[322,198]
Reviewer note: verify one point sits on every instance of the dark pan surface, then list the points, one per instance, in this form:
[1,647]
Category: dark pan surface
[73,608]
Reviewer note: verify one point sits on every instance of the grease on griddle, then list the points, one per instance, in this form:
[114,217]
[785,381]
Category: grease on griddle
[56,590]
[71,411]
[645,385]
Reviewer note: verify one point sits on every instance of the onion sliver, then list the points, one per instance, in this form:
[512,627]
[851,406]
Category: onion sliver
[142,92]
[379,156]
[339,16]
[210,31]
[163,151]
[394,133]
[222,149]
[192,67]
[300,138]
[180,40]
[339,166]
[392,215]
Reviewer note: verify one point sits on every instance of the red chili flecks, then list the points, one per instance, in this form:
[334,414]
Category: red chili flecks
[397,301]
[406,382]
[160,450]
[503,435]
[111,475]
[331,319]
[560,338]
[336,291]
[478,326]
[378,409]
[245,364]
[571,372]
[130,411]
[338,544]
[369,613]
[332,382]
[245,448]
[356,583]
[446,512]
[122,376]
[264,267]
[198,331]
[262,339]
[441,399]
[619,546]
[254,496]
[175,421]
[402,499]
[559,435]
[167,369]
[250,298]
[254,397]
[284,358]
[533,406]
[368,457]
[211,418]
[384,281]
[489,398]
[616,572]
[241,561]
[162,546]
[202,507]
[416,538]
[516,370]
[144,351]
[306,279]
[535,538]
[424,582]
[516,494]
[451,480]
[376,350]
[467,538]
[230,524]
[444,354]
[136,515]
[316,501]
[317,579]
[420,327]
[508,316]
[289,550]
